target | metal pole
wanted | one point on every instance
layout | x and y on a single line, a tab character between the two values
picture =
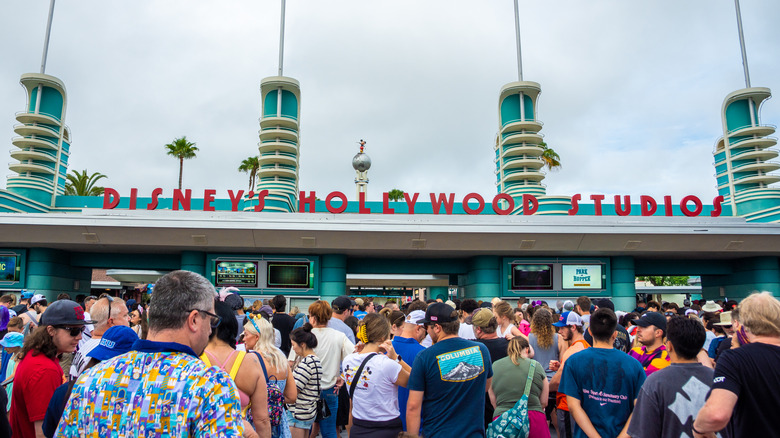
46	41
742	45
281	41
519	54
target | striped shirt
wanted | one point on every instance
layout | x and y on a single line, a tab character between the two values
307	375
651	361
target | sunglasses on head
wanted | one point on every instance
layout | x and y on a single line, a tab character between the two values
74	331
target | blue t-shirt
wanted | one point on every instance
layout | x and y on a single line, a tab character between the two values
606	382
360	314
452	374
408	349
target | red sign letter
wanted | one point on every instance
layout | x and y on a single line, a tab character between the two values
362	204
208	198
133	198
410	202
182	198
510	204
696	202
597	203
648	205
575	207
155	194
303	201
261	200
386	204
330	197
436	203
480	203
668	206
110	198
534	204
234	198
717	209
618	209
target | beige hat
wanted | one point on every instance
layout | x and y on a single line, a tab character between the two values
725	319
711	306
482	318
359	301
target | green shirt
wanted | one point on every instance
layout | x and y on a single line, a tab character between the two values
509	384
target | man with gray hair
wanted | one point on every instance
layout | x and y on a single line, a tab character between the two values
162	388
106	312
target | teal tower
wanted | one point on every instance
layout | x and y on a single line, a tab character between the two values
280	143
40	148
742	154
519	148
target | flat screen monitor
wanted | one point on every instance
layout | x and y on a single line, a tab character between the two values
236	273
586	277
532	276
288	275
9	267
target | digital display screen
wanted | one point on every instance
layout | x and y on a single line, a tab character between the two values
532	277
288	275
582	277
9	268
238	274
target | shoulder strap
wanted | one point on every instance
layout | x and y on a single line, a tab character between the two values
237	365
205	358
359	371
262	364
529	380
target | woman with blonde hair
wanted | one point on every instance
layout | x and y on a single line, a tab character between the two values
505	316
372	377
259	338
510	377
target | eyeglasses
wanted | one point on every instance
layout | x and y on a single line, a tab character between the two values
110	302
74	331
215	319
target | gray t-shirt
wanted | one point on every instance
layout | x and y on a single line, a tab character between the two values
669	401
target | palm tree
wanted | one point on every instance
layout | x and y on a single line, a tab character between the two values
81	184
181	149
250	165
551	158
395	195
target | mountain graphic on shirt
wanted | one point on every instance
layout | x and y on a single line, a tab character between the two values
462	372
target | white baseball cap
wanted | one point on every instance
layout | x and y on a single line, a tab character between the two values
415	317
36	298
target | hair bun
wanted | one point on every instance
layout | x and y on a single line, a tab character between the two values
307	327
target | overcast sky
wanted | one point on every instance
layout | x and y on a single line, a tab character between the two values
631	91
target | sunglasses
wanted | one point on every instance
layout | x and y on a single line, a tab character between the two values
74	331
110	302
215	319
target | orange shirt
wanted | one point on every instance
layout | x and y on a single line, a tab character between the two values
560	398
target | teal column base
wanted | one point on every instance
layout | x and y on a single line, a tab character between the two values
194	261
333	276
483	281
755	274
49	273
623	283
439	293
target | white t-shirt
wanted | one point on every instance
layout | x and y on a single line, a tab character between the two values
508	330
332	347
80	360
466	331
89	327
427	342
376	395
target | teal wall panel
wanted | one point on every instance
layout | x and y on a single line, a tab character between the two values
194	261
510	108
738	115
289	104
528	104
51	103
334	267
269	104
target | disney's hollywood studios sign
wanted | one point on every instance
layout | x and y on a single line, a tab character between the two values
440	203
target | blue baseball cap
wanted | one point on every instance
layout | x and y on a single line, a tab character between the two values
117	340
567	319
12	339
27	295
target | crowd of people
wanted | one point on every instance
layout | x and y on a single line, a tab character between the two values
196	362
